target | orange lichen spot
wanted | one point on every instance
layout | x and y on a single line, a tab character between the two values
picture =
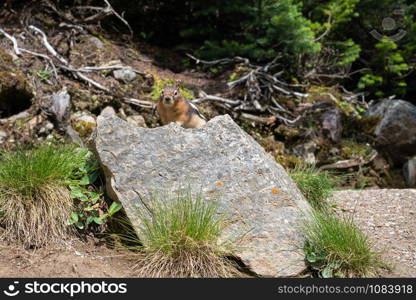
275	191
219	183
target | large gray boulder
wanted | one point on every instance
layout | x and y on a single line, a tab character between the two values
409	172
222	161
396	130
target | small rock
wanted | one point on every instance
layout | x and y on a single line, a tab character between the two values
97	42
306	152
60	109
136	120
380	163
125	75
15	94
86	118
47	128
332	124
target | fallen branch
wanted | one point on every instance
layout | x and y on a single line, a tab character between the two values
119	16
18	52
21	115
92	82
223	61
140	103
354	162
114	67
264	120
47	58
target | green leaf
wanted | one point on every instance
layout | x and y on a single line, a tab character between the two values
334	265
83	198
90	220
74	186
70	222
94	197
77	193
104	216
85	180
98	220
74	216
92	177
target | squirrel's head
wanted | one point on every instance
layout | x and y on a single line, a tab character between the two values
170	95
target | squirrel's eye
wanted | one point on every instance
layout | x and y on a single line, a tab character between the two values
176	93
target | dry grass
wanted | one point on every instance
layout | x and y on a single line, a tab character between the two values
35	203
201	263
38	220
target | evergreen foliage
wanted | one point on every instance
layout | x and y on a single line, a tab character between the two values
334	37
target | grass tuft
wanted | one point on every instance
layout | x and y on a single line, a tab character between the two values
35	203
336	247
181	237
315	186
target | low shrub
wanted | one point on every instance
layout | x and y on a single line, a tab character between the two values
336	247
181	237
315	186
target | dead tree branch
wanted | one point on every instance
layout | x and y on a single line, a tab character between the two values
102	13
140	103
65	64
256	91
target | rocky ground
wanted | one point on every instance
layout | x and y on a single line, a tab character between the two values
388	218
72	259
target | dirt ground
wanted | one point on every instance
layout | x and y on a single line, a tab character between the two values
71	259
388	216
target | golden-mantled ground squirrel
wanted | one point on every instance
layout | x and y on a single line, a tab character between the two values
173	107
